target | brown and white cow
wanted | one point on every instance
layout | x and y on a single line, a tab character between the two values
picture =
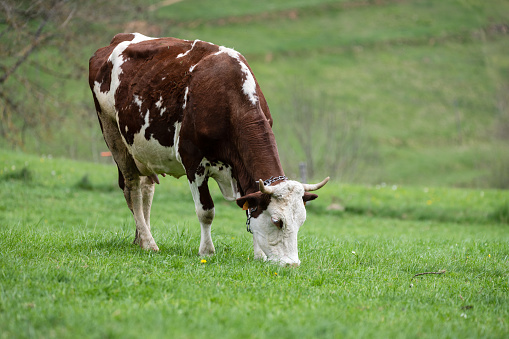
179	107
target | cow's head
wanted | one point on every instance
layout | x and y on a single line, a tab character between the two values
277	213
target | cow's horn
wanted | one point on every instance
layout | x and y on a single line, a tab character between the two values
265	189
314	187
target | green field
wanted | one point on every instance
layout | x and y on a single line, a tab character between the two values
68	267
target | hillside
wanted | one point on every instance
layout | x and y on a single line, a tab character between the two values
393	92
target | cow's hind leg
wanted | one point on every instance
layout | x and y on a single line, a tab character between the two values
133	184
205	211
133	195
147	192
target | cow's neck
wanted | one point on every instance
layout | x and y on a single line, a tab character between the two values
259	157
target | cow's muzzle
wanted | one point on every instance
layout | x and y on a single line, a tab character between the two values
289	262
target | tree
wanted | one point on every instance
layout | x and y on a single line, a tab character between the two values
333	141
26	27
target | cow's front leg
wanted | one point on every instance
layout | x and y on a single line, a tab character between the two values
205	211
134	197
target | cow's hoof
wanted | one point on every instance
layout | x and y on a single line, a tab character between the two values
260	256
207	251
154	248
148	245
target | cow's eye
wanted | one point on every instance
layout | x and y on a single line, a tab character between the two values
277	222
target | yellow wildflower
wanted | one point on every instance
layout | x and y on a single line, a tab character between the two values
203	261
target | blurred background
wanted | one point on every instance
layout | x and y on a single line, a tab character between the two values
411	92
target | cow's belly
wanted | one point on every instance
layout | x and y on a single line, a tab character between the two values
153	158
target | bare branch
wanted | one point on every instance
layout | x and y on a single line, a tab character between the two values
8	15
69	17
418	274
28	50
49	71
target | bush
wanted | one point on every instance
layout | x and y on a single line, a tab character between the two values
23	174
501	214
84	183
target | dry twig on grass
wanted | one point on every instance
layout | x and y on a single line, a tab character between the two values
418	274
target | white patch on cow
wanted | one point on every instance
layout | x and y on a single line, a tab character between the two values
137	101
187	52
104	98
176	143
159	104
230	51
126	129
155	158
223	175
146	124
191	68
249	85
185	98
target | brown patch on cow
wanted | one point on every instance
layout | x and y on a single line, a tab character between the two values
121	37
205	198
105	74
256	202
121	181
309	196
262	205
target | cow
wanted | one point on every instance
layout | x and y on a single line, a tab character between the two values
181	107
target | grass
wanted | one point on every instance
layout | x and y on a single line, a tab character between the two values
68	268
332	28
190	11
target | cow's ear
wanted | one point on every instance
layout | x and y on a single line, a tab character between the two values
309	196
249	201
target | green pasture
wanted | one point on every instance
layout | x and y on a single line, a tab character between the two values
68	267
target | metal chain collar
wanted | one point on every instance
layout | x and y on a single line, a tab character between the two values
272	180
267	182
248	222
